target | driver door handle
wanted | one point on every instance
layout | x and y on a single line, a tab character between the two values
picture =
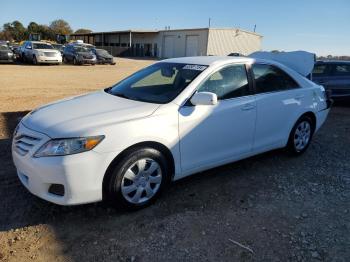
248	106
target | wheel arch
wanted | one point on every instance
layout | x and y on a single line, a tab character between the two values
309	114
146	144
312	116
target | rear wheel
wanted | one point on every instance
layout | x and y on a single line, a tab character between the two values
75	62
300	136
138	179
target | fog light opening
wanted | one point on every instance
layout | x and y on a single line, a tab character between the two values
56	189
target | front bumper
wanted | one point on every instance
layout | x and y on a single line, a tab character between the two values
87	61
49	60
81	175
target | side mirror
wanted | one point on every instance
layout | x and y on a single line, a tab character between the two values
204	98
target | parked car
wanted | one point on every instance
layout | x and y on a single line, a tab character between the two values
172	119
78	55
38	52
334	76
58	47
6	54
103	57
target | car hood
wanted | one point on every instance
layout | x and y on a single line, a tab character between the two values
85	53
86	114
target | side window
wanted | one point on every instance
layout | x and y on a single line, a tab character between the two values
228	82
320	70
341	70
269	78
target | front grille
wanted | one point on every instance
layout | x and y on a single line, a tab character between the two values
24	143
87	57
50	54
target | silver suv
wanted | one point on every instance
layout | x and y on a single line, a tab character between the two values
40	53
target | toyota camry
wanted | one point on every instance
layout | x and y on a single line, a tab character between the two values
177	117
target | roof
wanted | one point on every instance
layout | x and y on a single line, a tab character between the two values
332	61
208	60
169	30
120	32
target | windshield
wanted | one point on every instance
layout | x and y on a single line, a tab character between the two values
57	46
4	48
159	83
42	46
81	49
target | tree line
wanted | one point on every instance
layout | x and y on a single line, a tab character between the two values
16	31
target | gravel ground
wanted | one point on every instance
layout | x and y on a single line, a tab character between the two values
271	207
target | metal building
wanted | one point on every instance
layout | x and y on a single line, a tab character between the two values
175	43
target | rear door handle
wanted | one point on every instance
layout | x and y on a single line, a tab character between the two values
247	107
299	96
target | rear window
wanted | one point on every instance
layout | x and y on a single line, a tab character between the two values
320	70
269	78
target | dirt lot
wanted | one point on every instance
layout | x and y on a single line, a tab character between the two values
282	208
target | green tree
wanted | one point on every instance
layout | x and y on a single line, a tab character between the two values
16	30
83	31
33	28
61	27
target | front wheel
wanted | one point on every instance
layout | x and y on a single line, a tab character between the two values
35	61
138	179
300	136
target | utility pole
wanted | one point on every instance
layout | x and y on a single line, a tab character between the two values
254	28
209	22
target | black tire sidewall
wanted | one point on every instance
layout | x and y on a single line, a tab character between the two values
114	195
291	145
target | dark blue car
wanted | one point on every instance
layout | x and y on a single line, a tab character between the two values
334	76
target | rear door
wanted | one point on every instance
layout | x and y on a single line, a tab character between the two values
278	99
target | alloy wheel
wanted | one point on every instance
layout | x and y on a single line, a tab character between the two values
302	135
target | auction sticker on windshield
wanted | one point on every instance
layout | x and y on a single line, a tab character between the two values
195	67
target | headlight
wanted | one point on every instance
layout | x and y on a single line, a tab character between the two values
10	54
68	146
40	53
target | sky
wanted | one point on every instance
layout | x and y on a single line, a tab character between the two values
319	26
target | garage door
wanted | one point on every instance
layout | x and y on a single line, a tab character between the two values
168	46
192	45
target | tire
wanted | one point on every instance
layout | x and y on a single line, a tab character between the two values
301	135
75	62
64	60
23	58
138	179
35	62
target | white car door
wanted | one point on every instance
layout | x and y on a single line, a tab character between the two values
279	100
215	134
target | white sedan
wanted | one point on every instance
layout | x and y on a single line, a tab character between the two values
172	119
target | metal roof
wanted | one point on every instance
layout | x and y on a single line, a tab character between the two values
163	30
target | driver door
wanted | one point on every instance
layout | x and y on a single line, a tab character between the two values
211	135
